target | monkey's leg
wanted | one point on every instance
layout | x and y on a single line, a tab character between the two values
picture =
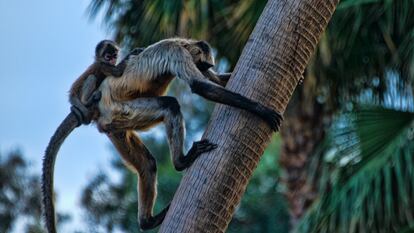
143	113
139	159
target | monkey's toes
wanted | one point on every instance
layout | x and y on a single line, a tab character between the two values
196	150
203	146
153	221
199	148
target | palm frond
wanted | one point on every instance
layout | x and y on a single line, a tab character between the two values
371	185
138	23
366	40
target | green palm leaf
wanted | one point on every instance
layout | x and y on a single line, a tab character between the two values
147	21
367	39
373	185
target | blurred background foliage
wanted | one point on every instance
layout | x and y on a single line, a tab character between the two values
20	195
344	159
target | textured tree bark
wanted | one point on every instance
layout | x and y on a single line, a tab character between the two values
268	71
301	132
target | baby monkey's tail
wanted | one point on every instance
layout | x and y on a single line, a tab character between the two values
62	132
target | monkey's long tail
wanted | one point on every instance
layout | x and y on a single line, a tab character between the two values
61	133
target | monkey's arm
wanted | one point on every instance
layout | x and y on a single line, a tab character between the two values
220	95
220	79
118	70
211	91
88	96
88	87
78	108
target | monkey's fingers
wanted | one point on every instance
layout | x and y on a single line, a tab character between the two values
199	148
274	119
206	147
203	146
195	151
96	96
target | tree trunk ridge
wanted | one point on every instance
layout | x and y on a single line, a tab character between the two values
268	71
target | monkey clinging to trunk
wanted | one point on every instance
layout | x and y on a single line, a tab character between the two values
135	101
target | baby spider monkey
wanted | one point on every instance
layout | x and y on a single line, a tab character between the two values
82	93
82	96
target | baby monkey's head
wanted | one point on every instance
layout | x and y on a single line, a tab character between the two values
107	51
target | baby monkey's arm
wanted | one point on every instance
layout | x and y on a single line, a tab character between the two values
118	70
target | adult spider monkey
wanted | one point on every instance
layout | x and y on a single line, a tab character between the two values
81	96
135	102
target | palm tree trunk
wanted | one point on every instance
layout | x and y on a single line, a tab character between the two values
302	131
268	71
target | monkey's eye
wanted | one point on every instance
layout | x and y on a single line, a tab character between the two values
107	57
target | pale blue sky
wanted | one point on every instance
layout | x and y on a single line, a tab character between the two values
45	45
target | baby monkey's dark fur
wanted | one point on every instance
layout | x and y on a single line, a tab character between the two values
83	89
82	96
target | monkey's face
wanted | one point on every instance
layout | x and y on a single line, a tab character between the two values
107	51
201	54
110	57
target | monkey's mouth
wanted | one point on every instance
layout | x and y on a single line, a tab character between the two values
112	61
203	66
110	58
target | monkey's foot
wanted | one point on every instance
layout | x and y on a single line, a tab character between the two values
153	221
272	117
198	148
195	151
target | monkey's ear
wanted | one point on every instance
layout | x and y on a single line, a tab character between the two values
204	46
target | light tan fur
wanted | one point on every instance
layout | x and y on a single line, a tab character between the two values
135	101
149	74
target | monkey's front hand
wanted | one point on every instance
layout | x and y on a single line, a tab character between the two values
95	97
272	117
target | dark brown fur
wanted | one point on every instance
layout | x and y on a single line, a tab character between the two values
80	97
82	89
